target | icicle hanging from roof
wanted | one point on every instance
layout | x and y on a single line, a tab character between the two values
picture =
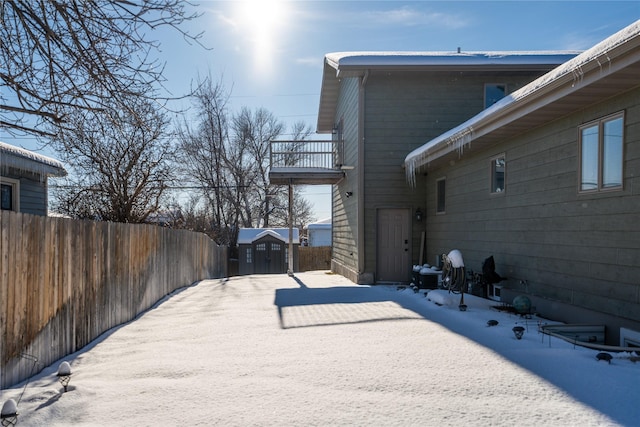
423	156
460	139
27	161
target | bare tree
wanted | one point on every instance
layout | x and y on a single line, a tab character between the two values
204	155
295	148
120	162
62	56
302	212
254	130
226	157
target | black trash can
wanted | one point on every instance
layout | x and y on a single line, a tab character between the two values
428	279
415	275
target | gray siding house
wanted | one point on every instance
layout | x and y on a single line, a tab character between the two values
547	181
24	179
379	106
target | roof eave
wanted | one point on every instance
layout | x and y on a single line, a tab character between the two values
338	66
590	71
328	97
29	165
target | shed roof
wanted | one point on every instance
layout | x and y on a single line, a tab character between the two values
352	64
250	235
25	160
610	67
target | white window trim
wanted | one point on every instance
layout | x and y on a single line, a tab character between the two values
441	212
491	171
15	193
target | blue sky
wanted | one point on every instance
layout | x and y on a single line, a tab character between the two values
269	53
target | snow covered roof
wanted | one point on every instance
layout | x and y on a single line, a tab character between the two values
250	235
351	64
345	61
616	54
322	224
25	160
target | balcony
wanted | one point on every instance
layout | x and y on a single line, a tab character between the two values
306	162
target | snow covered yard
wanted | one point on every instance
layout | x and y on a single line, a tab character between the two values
318	350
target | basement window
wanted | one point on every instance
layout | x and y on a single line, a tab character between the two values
498	170
440	195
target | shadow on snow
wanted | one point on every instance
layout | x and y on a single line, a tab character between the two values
309	307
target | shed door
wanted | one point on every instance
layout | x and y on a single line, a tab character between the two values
269	256
393	255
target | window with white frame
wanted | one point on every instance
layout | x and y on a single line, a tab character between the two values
600	146
494	92
440	195
498	174
249	254
9	194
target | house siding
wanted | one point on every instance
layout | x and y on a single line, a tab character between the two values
33	197
33	192
345	217
402	111
577	250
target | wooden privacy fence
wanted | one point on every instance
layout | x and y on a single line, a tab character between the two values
64	282
314	258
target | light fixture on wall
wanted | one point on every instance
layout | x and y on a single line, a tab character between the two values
418	215
349	193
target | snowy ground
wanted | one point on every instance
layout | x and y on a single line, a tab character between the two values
318	350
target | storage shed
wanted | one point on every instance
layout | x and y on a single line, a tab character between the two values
266	250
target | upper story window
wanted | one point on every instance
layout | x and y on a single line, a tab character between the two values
600	146
9	193
440	195
494	92
498	171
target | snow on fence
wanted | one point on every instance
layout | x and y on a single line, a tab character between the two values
64	282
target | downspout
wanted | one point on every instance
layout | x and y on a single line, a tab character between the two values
290	254
361	139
